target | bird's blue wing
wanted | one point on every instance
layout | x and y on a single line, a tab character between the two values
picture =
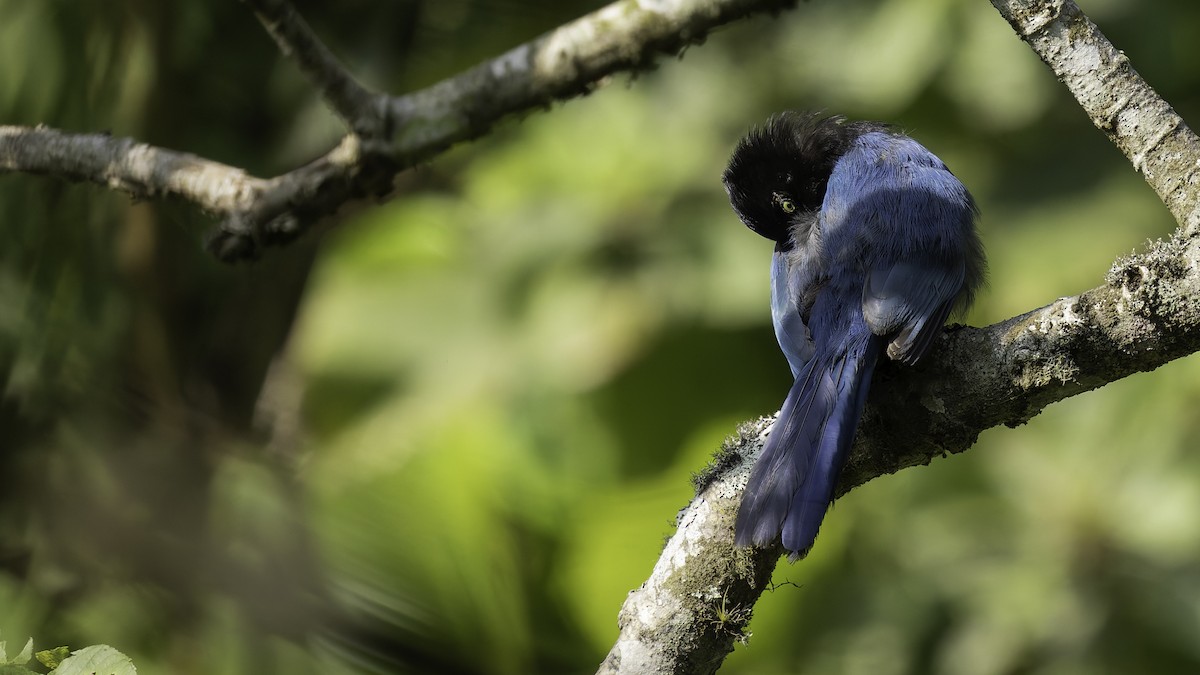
908	303
790	329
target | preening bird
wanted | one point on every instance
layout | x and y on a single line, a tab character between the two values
875	245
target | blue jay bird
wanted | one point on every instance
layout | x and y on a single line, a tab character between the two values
875	245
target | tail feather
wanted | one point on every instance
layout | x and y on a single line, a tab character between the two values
792	483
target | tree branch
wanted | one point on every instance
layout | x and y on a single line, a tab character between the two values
562	64
140	170
698	600
569	61
1119	102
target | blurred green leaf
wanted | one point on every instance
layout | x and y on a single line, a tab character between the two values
25	655
96	660
52	658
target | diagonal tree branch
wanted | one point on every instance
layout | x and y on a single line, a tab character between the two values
626	35
567	62
698	600
1118	101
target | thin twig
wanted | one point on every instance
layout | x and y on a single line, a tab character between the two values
362	110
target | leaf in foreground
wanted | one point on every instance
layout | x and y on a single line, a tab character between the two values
96	660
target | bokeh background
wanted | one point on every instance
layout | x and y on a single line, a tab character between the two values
450	434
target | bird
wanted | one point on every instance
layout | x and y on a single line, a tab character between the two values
876	244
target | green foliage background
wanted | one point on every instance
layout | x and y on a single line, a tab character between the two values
484	399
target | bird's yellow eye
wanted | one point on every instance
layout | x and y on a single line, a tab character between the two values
785	204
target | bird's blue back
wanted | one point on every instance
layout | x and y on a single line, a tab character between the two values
895	218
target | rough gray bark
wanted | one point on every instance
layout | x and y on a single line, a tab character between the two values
698	600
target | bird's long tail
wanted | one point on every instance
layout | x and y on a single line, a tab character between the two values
792	483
